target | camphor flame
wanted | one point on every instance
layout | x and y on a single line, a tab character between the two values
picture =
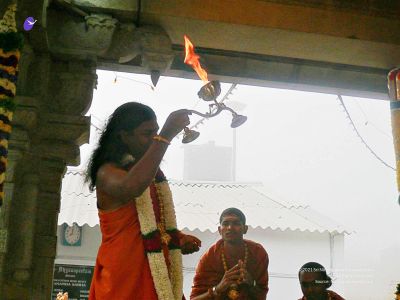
192	59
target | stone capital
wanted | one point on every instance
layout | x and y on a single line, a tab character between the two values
156	48
125	44
79	37
150	42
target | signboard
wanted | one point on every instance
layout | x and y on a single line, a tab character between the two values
72	279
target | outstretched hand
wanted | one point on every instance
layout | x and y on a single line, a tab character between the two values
175	123
189	243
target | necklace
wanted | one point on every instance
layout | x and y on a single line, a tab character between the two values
233	292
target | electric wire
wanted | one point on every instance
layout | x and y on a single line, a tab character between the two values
368	122
359	135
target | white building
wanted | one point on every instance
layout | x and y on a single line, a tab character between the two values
292	235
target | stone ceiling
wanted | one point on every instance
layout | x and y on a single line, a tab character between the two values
339	46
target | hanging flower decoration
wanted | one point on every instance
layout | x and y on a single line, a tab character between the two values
10	45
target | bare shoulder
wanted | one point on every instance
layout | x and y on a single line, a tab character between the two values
108	182
109	171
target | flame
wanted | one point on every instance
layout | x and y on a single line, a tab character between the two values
192	59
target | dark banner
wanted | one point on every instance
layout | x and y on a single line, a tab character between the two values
72	279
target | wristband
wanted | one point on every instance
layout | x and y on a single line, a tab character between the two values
159	138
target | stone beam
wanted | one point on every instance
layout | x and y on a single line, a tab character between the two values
348	22
274	71
107	4
360	33
361	19
277	42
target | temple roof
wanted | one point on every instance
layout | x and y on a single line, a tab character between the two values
199	204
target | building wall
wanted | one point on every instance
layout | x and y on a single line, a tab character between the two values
287	251
208	162
79	255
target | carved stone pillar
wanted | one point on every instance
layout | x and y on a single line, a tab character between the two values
54	91
49	127
61	130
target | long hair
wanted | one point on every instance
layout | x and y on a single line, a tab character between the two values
110	148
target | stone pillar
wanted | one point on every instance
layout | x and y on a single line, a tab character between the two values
49	127
54	91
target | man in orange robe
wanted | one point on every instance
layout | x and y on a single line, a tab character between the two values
233	268
315	283
140	253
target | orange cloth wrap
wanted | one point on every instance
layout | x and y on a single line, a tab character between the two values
210	270
122	270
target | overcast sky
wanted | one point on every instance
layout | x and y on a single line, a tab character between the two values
300	145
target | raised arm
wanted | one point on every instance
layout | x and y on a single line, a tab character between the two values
115	186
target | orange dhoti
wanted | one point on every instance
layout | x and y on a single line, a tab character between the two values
122	269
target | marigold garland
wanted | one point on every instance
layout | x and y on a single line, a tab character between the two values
10	45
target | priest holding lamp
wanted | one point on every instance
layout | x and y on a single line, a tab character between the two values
232	268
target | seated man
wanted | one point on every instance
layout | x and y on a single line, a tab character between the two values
315	282
233	268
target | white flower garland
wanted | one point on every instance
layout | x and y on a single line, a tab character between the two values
175	257
166	290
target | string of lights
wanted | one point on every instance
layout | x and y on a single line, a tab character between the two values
131	79
359	135
368	122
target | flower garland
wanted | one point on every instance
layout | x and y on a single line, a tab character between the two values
10	45
167	275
